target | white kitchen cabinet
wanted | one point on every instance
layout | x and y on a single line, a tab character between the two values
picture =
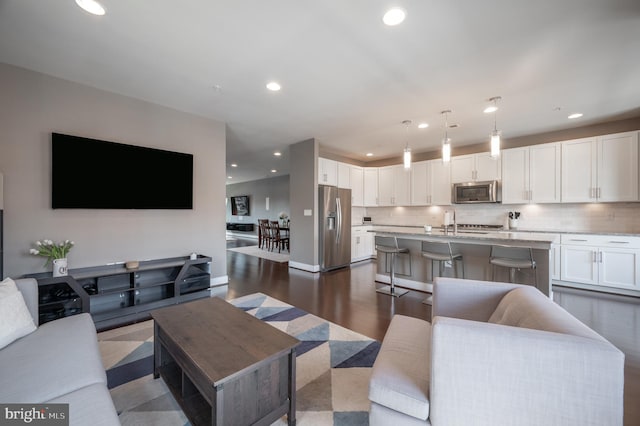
531	174
603	168
554	266
370	187
357	186
327	172
361	243
344	175
475	168
430	183
604	260
394	186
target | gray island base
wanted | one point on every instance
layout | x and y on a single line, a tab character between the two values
413	271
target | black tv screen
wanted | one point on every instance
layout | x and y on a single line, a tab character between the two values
240	205
94	174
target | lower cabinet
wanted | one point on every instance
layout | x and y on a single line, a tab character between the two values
601	260
362	245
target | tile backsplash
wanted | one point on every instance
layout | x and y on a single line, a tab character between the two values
596	217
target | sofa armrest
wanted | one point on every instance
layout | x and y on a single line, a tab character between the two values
467	299
497	374
29	289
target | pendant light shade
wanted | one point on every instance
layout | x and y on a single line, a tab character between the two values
495	135
446	142
406	156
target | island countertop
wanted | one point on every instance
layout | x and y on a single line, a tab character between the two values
511	238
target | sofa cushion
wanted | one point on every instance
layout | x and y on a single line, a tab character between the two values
59	357
15	318
91	405
527	307
400	375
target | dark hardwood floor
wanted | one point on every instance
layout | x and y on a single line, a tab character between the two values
347	297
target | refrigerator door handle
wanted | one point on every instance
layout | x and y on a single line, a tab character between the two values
339	226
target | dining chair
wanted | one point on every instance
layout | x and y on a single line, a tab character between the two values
264	233
277	238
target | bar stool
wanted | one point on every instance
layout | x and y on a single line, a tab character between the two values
389	246
440	252
514	258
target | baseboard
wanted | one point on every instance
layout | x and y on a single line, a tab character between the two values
401	282
216	281
304	266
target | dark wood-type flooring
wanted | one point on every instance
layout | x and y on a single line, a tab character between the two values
347	297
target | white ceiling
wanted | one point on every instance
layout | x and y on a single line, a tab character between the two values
348	80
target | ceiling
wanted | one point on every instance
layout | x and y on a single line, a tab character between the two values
347	79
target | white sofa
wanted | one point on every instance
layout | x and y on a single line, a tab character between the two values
57	363
495	354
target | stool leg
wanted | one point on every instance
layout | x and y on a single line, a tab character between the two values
391	290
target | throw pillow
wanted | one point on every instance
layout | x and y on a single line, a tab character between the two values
15	319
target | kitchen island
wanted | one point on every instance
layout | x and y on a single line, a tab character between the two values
413	271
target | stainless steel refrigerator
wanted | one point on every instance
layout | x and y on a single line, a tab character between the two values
334	205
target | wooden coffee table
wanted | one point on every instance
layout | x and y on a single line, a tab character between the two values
224	366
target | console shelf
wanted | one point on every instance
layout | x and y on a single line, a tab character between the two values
114	295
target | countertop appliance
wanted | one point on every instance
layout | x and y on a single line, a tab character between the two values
334	205
477	192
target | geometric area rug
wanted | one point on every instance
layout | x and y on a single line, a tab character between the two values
333	367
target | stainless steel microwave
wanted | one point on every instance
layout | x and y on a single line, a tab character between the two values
477	192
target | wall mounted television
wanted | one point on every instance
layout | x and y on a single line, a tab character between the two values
95	174
240	205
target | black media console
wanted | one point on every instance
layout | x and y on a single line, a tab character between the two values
243	227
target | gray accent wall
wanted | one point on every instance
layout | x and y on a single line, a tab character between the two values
303	182
276	189
34	105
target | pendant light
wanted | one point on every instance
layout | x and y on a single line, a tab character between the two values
495	135
406	157
446	142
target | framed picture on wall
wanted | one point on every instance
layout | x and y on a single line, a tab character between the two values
240	205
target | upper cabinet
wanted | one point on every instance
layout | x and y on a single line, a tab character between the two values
357	186
603	168
394	186
531	174
475	167
344	175
430	183
370	186
327	172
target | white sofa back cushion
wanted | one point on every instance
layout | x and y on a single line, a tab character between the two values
527	307
15	318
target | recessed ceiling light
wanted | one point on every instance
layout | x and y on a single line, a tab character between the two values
273	86
91	6
423	125
394	16
369	154
490	109
274	171
234	165
229	177
575	115
277	153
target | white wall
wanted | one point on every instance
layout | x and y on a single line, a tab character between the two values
33	105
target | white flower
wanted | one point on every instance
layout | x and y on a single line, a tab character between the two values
34	251
38	243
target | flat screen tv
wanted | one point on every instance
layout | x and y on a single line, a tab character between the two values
94	174
240	205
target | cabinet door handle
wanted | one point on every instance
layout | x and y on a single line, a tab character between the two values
600	256
619	242
594	256
584	241
598	193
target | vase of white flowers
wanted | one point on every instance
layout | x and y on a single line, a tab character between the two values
284	219
56	254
